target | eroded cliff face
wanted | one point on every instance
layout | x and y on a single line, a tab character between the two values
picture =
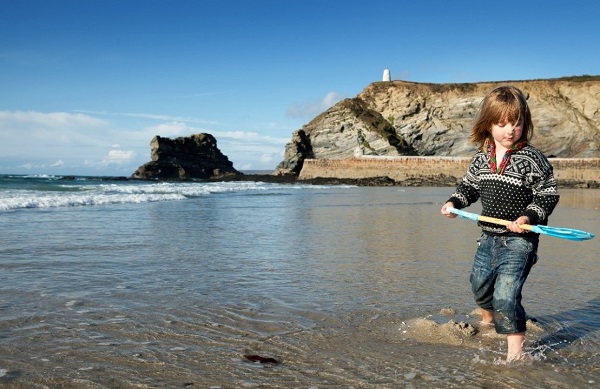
404	118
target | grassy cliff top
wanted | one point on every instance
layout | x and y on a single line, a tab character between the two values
471	86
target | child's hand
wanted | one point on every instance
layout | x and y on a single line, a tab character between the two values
445	211
514	226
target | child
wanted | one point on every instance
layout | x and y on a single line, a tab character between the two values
515	182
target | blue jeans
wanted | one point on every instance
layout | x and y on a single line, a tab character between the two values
501	266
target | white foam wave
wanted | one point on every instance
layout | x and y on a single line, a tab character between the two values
89	194
70	200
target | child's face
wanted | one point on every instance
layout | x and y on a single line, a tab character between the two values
506	134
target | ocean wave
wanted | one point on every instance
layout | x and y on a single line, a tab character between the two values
71	200
52	193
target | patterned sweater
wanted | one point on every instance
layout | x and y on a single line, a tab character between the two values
527	187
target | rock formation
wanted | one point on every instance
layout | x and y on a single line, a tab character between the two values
343	131
196	156
405	118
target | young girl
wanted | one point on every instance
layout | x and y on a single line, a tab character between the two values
515	182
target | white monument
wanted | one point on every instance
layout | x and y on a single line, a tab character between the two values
386	75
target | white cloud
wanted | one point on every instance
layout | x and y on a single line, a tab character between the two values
27	166
170	130
267	159
119	157
249	137
151	116
46	134
331	99
60	141
59	163
114	157
236	134
314	108
48	119
77	143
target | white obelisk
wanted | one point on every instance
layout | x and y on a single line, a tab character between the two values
386	75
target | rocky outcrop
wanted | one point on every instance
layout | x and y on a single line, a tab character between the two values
405	118
193	157
349	128
299	149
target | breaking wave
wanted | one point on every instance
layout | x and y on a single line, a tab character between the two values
26	192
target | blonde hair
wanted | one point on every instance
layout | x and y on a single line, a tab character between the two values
503	104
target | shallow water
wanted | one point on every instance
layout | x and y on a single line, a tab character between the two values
139	291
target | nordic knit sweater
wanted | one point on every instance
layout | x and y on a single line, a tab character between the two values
526	188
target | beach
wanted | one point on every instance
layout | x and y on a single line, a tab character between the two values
121	284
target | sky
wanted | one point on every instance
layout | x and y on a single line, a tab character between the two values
86	85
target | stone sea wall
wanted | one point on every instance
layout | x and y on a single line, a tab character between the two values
405	168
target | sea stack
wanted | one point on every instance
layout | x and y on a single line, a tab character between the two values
184	158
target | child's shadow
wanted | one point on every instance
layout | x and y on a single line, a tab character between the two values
575	324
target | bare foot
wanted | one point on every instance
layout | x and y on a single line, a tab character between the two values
515	347
487	318
518	357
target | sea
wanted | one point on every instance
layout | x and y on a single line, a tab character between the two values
112	283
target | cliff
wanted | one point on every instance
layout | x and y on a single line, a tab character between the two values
193	157
401	118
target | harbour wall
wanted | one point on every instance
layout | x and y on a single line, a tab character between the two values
406	168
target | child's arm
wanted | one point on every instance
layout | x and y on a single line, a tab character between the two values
467	191
545	193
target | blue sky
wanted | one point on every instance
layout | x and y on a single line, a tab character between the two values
86	84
